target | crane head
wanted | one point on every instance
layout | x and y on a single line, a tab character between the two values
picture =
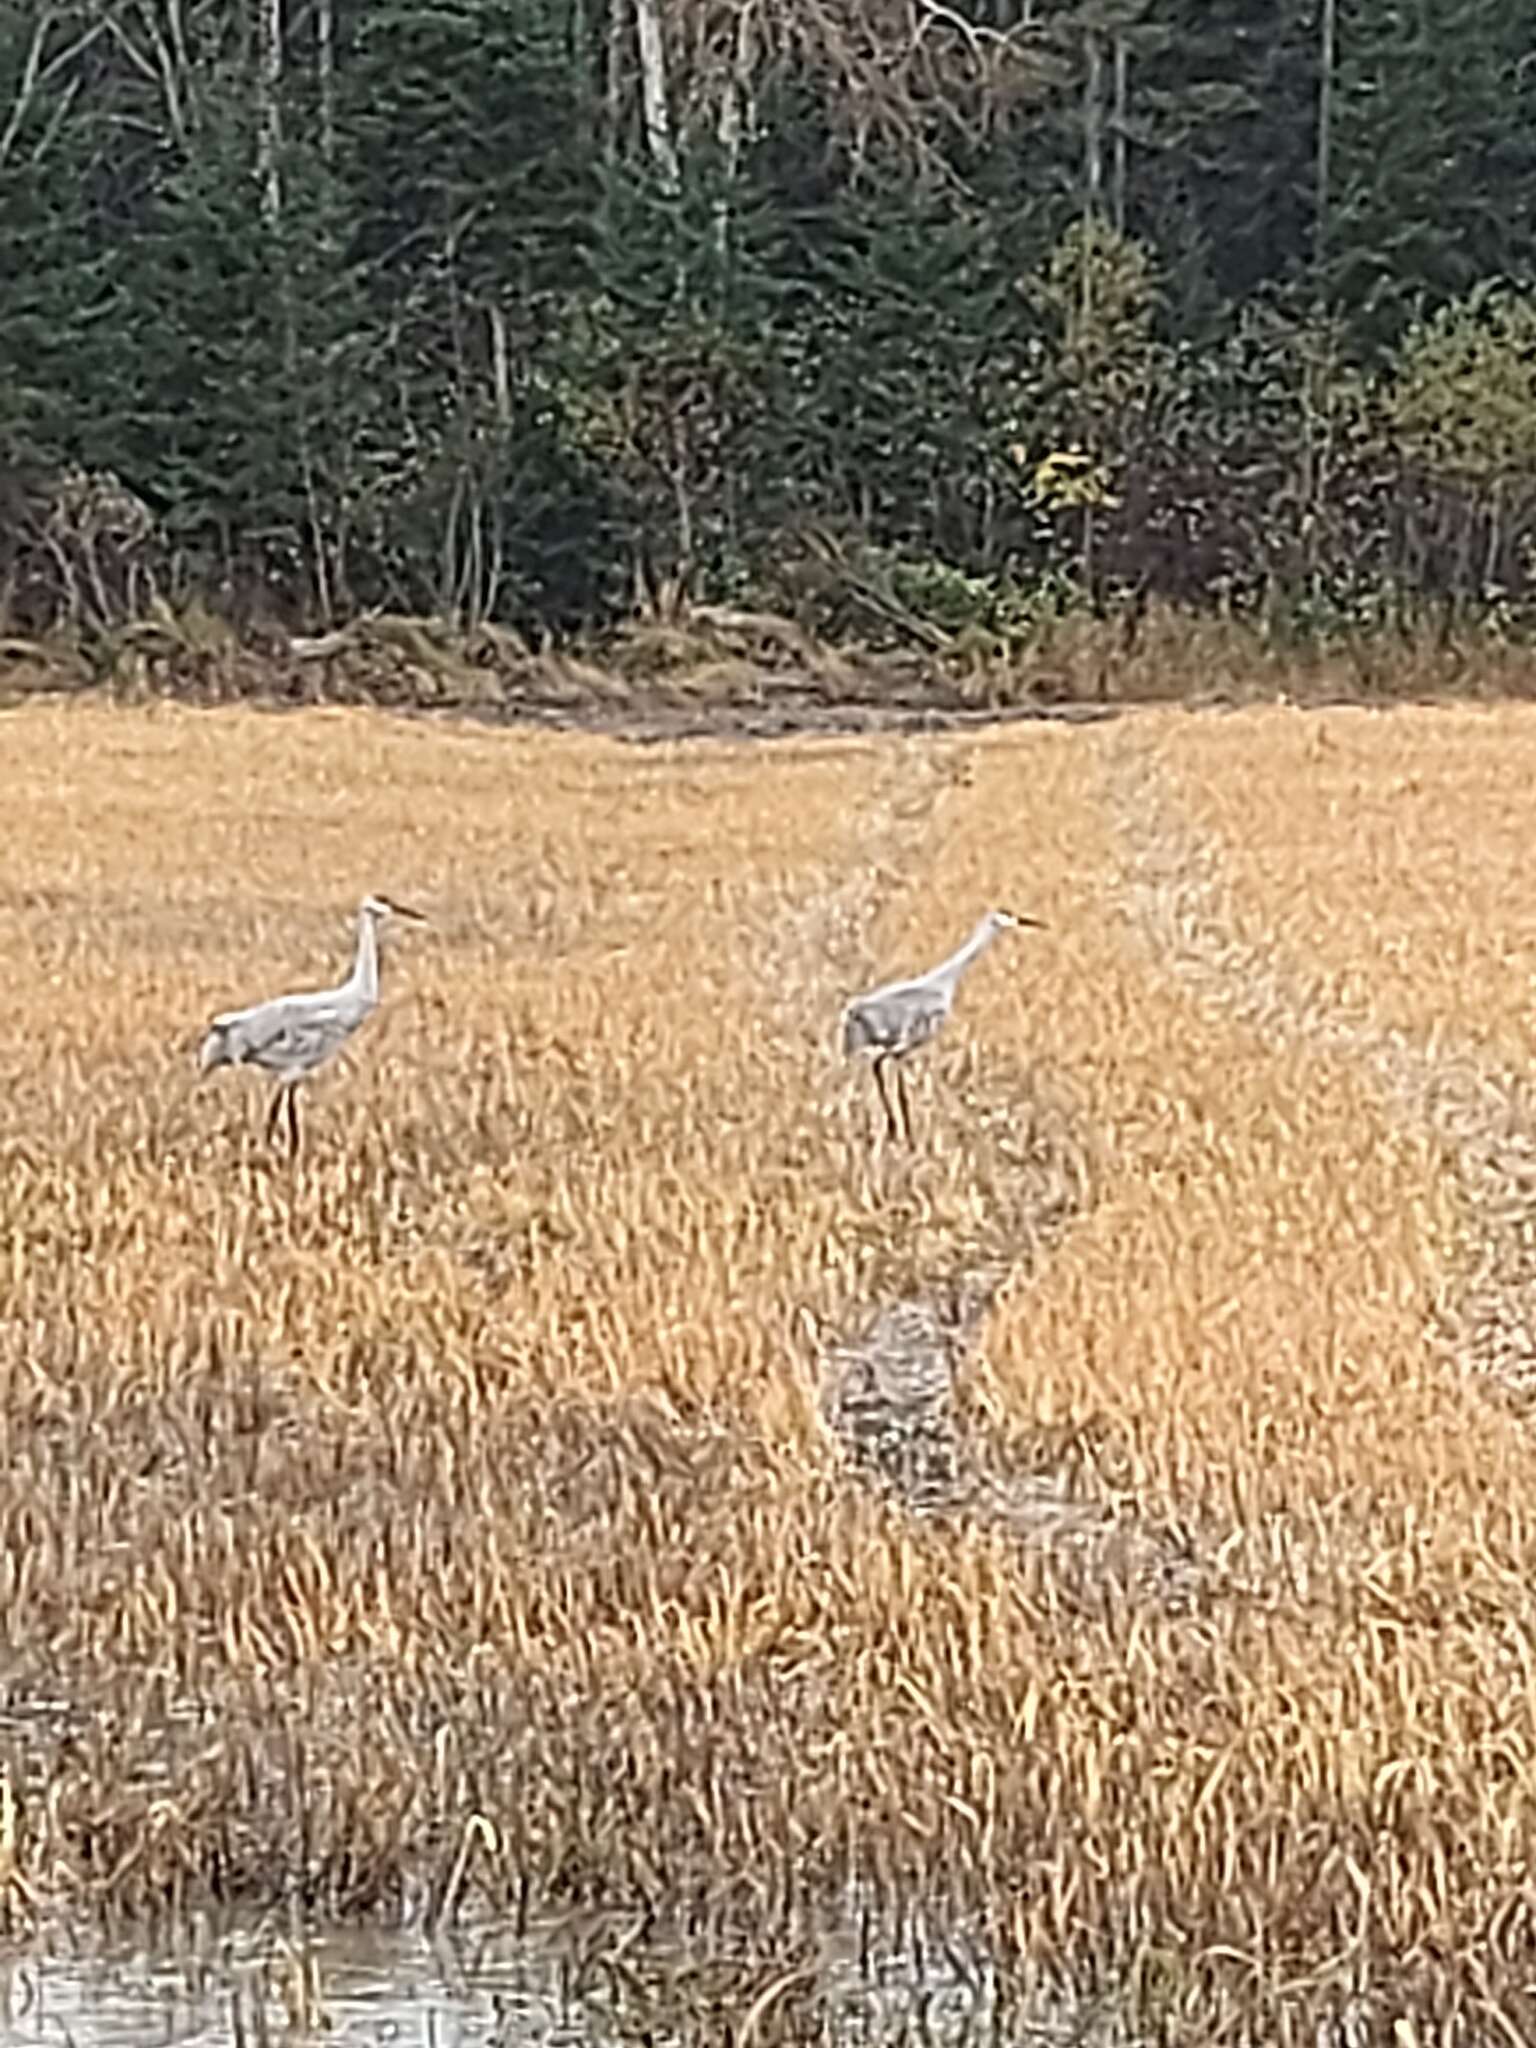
383	907
1013	920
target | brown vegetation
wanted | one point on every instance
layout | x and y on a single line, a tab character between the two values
599	1475
681	671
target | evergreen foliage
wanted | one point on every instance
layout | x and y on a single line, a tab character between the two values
510	312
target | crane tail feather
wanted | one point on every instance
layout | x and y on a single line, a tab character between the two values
214	1051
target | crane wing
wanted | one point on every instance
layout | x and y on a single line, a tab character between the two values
292	1032
923	1011
895	1018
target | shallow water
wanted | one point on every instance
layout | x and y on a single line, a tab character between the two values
253	1988
350	1988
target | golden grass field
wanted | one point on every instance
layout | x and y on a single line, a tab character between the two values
476	1505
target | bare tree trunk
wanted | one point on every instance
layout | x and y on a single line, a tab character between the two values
653	90
269	142
269	130
1495	537
176	24
177	70
682	578
501	365
736	116
1122	95
1093	164
1093	121
1324	139
325	75
1318	371
613	79
1088	560
494	565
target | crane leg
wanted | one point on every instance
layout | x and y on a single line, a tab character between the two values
892	1128
273	1113
293	1122
905	1100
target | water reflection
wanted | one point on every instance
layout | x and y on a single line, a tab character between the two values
354	1988
254	1988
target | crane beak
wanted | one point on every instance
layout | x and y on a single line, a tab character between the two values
404	910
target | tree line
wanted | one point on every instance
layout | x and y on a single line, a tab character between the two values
526	311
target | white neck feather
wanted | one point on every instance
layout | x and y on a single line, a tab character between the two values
950	970
364	978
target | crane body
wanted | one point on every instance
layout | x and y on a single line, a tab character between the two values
289	1037
889	1023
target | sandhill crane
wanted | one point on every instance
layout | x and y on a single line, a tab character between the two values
899	1016
291	1036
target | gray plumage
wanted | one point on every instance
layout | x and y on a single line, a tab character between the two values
891	1021
290	1036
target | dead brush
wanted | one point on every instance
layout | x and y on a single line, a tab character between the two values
446	1523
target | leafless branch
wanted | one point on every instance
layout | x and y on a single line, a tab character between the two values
58	115
129	48
932	12
35	73
28	84
890	72
169	65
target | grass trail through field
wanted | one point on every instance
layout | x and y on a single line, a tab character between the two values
1482	1114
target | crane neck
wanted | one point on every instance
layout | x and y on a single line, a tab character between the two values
364	978
950	970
